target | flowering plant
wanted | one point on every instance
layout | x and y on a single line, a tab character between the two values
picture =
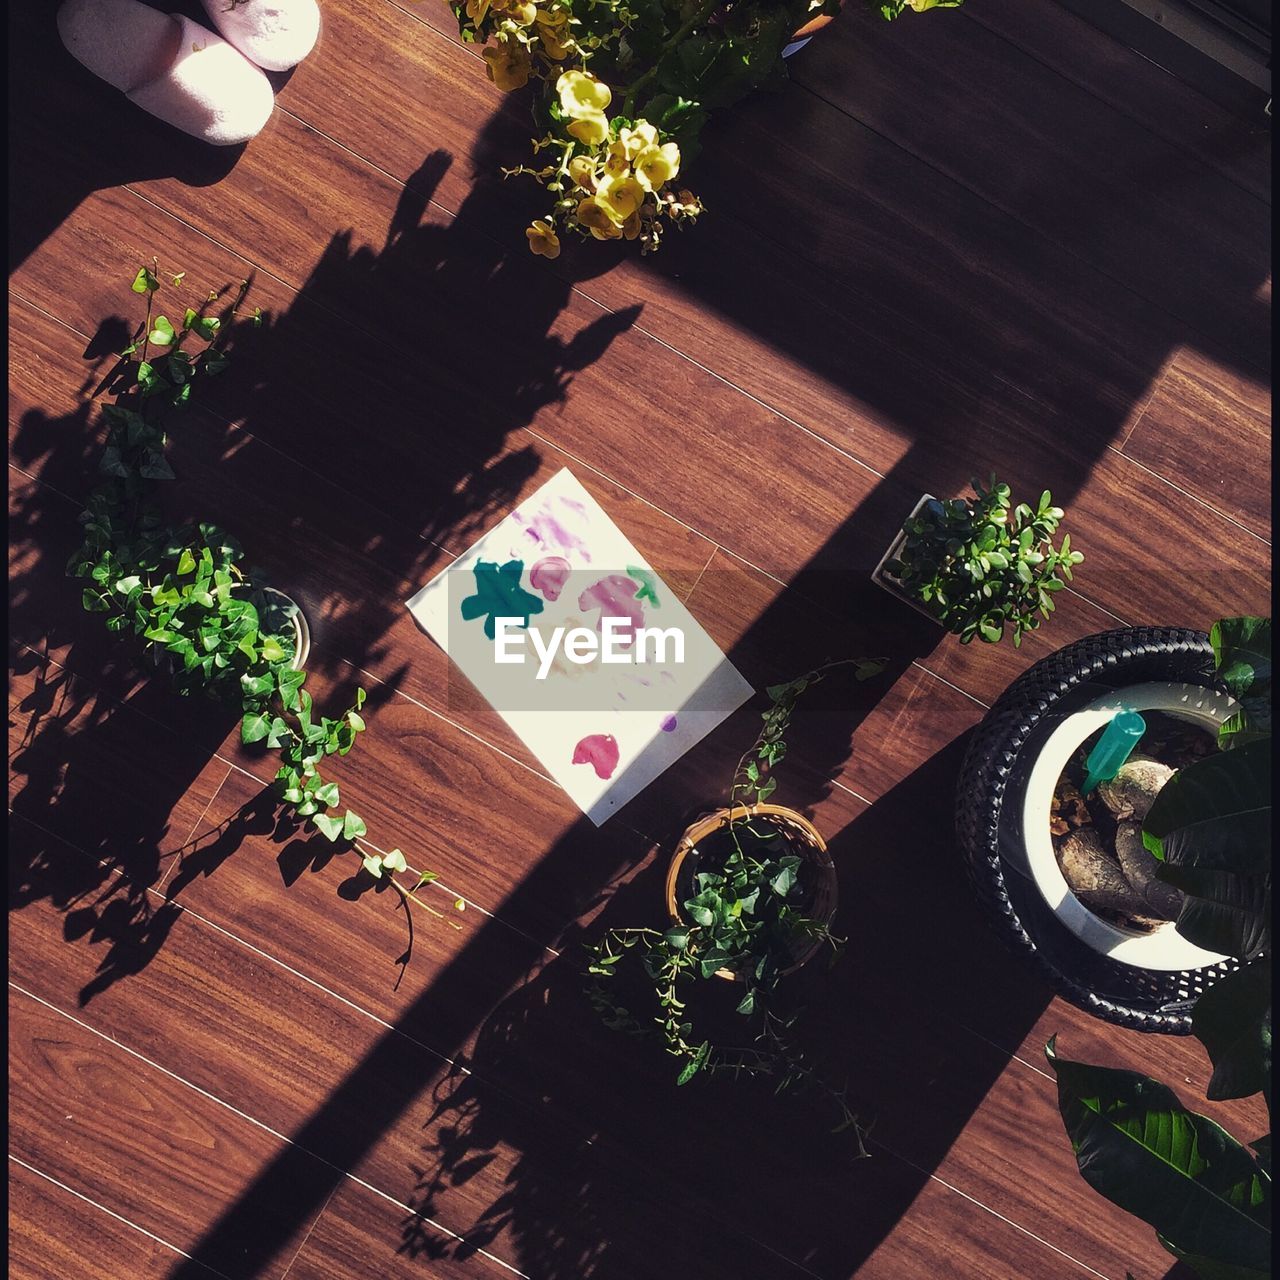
625	87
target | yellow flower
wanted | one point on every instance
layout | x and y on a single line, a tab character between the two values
476	9
621	197
582	170
521	12
583	96
543	239
615	164
509	66
592	130
631	228
634	141
553	31
598	219
656	165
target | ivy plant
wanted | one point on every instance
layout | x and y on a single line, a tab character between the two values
1206	1194
182	592
980	564
747	915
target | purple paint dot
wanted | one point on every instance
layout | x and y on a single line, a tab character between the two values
669	724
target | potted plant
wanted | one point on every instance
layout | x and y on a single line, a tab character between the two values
979	564
1070	875
750	896
185	595
622	92
1209	833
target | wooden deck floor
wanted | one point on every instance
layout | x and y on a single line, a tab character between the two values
987	239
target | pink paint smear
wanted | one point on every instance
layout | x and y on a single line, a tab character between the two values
600	751
615	597
549	575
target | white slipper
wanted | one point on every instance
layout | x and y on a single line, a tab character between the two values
276	34
170	66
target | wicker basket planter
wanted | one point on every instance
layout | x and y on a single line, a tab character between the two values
802	837
1002	799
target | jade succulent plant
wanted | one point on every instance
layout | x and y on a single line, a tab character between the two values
980	564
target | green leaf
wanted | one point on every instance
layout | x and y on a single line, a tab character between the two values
144	282
327	794
677	939
748	1003
186	562
1136	1144
1233	1022
162	332
353	825
784	881
1216	813
394	861
253	728
373	865
696	1063
1242	655
330	828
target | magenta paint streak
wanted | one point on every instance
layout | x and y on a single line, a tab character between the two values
549	575
669	724
600	751
615	597
547	531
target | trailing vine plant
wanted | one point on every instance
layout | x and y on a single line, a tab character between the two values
182	591
748	917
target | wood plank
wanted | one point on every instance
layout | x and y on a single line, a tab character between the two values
1209	432
94	771
360	1236
510	1048
308	1065
55	1234
1236	147
1048	152
139	1142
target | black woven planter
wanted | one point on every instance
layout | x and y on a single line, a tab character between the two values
988	807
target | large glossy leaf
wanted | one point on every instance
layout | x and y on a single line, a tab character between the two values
1216	813
1242	654
1221	911
1136	1144
1233	1021
1212	1268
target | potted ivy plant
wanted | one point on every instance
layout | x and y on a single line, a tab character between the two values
1209	833
1069	874
183	591
978	565
622	92
750	897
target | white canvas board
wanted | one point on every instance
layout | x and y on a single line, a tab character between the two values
602	730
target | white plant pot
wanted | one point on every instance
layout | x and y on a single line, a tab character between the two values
1163	948
302	632
890	583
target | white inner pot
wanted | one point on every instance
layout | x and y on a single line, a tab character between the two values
1163	948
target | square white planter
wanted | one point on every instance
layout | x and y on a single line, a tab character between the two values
890	583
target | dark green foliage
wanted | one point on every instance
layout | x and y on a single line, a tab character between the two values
747	914
978	566
182	591
1207	1196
